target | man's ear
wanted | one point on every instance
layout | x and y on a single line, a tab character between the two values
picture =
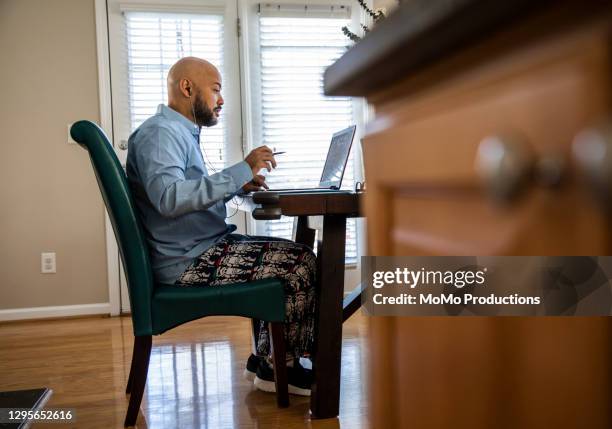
186	87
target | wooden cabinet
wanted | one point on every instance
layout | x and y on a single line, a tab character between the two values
422	155
533	79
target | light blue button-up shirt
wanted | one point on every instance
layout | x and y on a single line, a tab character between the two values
182	208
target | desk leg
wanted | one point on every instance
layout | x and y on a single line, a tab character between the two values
325	399
304	234
352	302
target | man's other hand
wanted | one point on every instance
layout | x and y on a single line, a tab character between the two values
256	184
259	158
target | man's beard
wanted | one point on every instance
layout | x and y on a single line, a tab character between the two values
203	115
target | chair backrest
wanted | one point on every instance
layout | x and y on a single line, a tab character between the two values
124	218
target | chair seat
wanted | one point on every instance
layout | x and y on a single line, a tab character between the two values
175	305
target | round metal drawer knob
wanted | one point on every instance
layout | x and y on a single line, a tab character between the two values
593	153
505	164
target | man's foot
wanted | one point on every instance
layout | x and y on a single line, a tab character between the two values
251	366
300	379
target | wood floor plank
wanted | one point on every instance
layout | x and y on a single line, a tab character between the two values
195	375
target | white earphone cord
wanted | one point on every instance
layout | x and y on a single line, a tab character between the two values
207	161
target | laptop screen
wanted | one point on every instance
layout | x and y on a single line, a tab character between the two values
337	157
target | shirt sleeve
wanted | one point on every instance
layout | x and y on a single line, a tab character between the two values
161	159
239	193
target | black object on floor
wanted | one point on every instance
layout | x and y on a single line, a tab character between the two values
32	399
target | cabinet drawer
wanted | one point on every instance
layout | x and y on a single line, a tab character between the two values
421	155
545	96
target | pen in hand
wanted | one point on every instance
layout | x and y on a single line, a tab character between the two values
278	153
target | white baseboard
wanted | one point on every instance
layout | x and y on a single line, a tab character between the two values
56	311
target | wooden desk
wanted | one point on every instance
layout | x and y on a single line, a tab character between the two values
331	311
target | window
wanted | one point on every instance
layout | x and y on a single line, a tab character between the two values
146	39
296	44
154	42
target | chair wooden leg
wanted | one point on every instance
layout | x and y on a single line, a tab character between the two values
255	333
128	388
138	376
277	336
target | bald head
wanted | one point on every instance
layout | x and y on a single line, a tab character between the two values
194	90
186	73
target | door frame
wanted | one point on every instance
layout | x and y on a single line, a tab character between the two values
106	123
117	289
114	268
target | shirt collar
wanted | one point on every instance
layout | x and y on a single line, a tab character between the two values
172	114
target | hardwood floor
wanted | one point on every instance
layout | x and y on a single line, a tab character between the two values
195	375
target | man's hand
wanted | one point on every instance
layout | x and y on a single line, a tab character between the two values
256	184
259	158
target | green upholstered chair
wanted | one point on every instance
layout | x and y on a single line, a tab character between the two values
157	308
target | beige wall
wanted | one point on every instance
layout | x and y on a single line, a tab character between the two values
49	198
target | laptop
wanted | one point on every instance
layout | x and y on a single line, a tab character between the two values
335	163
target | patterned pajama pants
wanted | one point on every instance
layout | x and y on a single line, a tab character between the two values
240	258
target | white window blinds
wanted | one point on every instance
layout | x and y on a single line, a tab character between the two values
296	46
154	42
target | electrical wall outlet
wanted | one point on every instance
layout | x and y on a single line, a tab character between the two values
70	140
47	263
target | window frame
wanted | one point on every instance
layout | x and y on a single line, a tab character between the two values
250	72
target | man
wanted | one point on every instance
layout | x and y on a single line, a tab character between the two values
182	208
